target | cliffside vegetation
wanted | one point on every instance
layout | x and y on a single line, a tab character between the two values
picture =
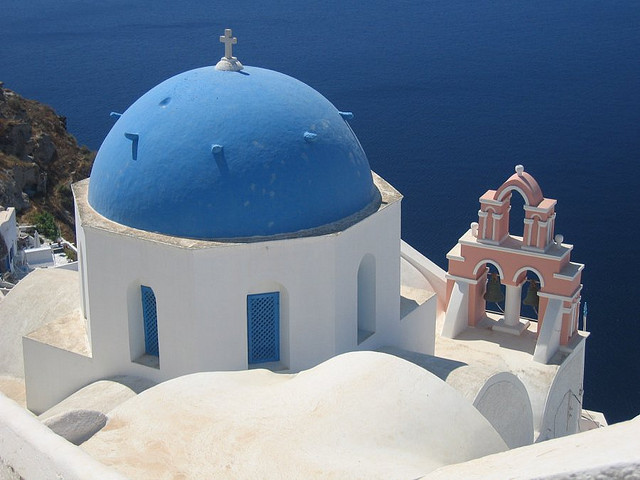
39	160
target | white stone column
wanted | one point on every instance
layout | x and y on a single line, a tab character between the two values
512	305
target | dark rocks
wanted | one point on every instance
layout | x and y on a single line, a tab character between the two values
38	159
44	150
11	195
14	139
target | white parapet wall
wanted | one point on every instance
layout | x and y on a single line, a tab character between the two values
40	256
432	272
29	450
603	453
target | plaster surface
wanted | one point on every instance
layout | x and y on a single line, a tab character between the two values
67	332
358	415
502	352
604	453
13	388
499	396
31	451
91	218
50	294
415	289
77	426
101	396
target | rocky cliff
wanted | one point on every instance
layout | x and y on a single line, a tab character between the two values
39	160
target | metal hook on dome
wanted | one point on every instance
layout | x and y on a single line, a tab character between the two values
310	137
135	138
218	156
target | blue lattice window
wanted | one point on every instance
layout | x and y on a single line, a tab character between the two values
263	327
150	318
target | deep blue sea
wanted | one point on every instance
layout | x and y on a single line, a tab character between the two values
448	96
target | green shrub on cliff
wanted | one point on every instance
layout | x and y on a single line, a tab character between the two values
46	225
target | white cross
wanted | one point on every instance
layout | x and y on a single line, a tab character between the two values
228	41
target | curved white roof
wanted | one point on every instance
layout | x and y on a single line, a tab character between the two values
358	415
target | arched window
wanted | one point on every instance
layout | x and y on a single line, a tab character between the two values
150	320
516	214
366	298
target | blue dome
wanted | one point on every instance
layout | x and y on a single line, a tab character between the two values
215	154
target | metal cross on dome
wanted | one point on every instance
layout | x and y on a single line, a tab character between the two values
228	41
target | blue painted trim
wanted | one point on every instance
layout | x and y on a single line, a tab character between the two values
150	319
263	327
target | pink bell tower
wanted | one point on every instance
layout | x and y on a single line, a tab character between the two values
489	242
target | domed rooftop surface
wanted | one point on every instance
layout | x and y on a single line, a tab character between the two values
217	154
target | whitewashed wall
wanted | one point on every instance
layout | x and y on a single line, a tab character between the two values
201	292
9	230
30	450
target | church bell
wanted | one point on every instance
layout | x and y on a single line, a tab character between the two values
494	292
532	298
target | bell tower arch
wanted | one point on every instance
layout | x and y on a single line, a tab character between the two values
539	250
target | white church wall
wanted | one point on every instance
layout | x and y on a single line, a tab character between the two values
366	297
82	268
134	314
418	328
420	304
434	275
114	268
563	402
52	374
379	236
201	298
504	401
300	269
457	313
117	266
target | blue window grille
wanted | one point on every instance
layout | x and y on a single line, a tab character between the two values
150	318
263	327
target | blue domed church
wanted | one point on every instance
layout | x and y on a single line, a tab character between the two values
231	221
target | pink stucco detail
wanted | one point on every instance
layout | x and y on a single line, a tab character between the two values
515	256
527	185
